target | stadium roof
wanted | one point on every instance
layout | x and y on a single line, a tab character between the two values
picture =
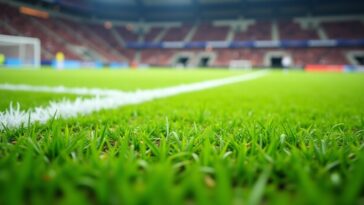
150	10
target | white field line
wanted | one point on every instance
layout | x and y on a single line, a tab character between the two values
59	89
104	99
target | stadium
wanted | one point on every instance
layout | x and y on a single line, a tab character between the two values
181	102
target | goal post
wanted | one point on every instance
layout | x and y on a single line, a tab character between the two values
240	64
20	51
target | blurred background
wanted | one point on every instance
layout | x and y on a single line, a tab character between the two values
70	34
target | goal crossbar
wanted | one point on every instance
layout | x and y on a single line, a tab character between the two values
25	49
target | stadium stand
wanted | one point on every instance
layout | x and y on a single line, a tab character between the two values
261	30
127	33
157	57
344	29
5	31
177	33
289	30
208	32
83	41
152	33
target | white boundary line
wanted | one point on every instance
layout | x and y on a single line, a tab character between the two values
104	99
59	89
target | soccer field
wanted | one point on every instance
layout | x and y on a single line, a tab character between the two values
280	138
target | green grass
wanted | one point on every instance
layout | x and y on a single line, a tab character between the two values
294	138
127	80
111	79
29	100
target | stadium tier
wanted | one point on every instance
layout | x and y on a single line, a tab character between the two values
305	40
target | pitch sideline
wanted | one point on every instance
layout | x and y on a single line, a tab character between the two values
103	99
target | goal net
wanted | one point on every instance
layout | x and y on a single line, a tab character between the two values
240	64
20	51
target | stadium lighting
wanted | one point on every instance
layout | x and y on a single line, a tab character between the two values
33	12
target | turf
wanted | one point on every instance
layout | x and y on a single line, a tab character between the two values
28	100
286	138
127	80
111	79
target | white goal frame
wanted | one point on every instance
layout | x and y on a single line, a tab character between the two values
26	49
240	64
